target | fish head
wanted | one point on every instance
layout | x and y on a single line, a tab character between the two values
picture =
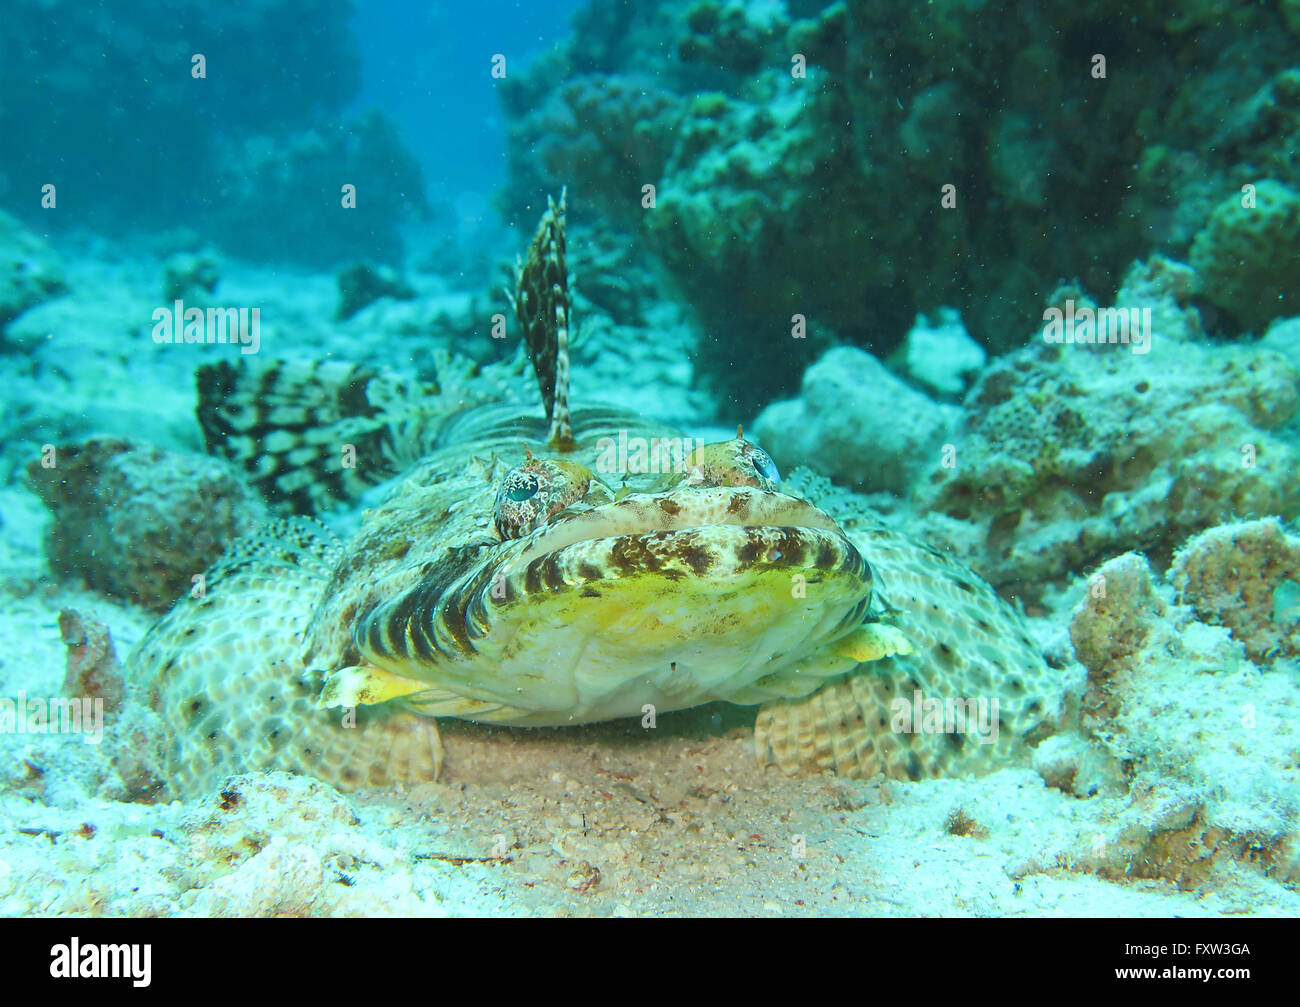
593	602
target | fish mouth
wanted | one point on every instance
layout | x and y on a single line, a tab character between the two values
709	542
704	561
670	598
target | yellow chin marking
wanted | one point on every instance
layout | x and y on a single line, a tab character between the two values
871	642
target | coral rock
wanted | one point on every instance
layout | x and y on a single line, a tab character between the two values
940	355
1114	619
1249	256
857	423
138	522
1246	577
93	669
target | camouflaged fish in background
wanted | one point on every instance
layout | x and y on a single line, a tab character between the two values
511	586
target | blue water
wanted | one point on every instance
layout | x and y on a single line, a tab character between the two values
427	66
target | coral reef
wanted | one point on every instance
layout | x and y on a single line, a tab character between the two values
733	36
1233	130
1071	453
137	522
1064	454
616	122
821	194
1249	256
265	172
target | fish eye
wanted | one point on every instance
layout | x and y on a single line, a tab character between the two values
534	492
521	486
764	465
733	463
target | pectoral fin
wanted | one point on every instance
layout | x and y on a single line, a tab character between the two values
365	685
871	642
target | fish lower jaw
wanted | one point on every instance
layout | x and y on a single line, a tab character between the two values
581	660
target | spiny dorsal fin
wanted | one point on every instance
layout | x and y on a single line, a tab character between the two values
542	305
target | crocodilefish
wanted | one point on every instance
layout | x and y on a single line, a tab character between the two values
511	586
